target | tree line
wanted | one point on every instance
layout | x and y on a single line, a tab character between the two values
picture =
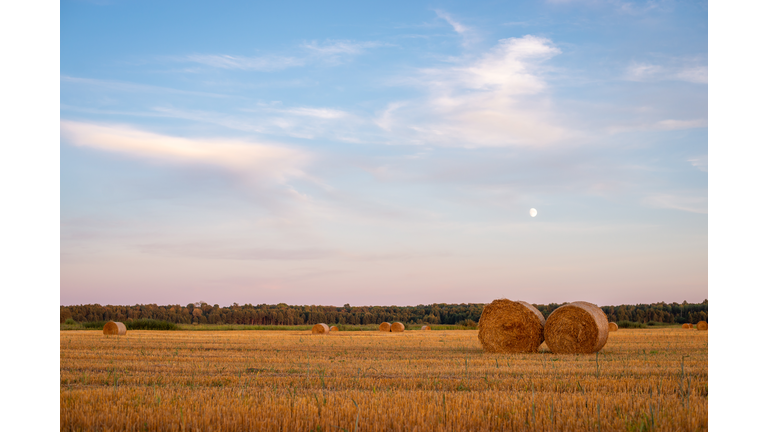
283	314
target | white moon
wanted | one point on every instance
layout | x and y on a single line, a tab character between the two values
533	212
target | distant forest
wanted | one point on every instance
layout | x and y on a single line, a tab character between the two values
283	314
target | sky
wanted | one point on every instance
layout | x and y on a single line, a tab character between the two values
383	154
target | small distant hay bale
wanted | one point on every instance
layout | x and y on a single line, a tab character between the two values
687	326
576	328
426	327
385	326
701	325
508	326
397	327
612	327
320	329
334	328
115	328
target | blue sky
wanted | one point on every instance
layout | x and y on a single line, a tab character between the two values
383	154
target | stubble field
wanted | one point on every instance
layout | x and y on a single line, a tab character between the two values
644	379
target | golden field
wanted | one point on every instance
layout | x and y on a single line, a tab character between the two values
643	379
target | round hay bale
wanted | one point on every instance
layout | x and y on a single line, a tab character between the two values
384	327
612	327
397	327
115	328
687	326
426	328
701	325
320	329
510	326
576	328
334	328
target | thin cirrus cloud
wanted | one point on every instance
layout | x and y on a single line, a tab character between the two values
128	87
255	161
296	122
493	100
681	124
320	113
335	48
265	63
645	72
700	162
467	34
329	51
457	26
684	202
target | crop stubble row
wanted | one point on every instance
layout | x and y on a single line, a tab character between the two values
439	380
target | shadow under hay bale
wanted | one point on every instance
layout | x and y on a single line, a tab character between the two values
702	325
508	326
426	327
612	327
397	327
385	326
576	328
115	328
320	329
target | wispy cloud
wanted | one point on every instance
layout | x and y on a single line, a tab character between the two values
321	113
696	74
693	204
133	87
668	124
467	34
228	252
681	124
254	161
329	51
220	250
265	63
457	26
653	72
620	6
296	122
332	48
700	162
495	99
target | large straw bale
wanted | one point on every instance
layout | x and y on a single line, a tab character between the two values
510	326
385	326
320	329
426	327
576	328
115	328
334	328
397	327
612	327
701	325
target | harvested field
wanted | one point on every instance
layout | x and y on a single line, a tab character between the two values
425	381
